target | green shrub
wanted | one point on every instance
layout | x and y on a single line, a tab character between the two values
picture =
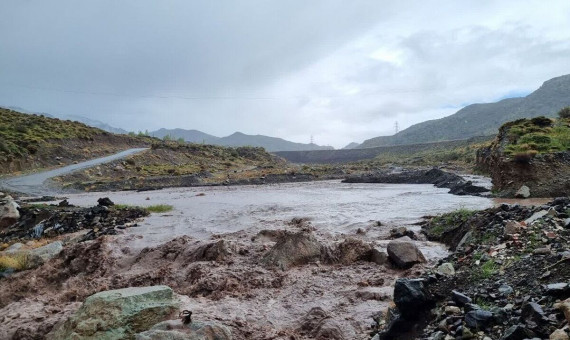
564	113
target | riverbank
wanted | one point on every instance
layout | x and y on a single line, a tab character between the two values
508	278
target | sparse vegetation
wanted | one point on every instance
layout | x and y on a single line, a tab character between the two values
15	262
486	270
444	222
530	137
564	112
159	208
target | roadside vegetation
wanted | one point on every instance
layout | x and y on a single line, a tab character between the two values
440	224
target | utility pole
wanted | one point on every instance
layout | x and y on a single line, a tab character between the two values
396	126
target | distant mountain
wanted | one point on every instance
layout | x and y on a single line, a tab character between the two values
352	145
87	121
483	119
192	136
239	139
269	143
94	123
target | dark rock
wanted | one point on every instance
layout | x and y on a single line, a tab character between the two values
558	289
293	249
404	254
505	289
532	312
460	298
478	319
517	332
105	202
411	296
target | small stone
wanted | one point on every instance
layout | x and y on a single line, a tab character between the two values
505	289
557	288
542	251
523	192
559	334
452	310
517	332
531	311
446	269
478	319
460	298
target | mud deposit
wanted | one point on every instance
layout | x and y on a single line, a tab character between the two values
217	247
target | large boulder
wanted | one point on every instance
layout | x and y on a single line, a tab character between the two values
404	253
176	330
118	314
9	213
318	324
293	249
411	296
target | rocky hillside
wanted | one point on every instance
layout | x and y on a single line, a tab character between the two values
529	157
508	278
30	141
484	119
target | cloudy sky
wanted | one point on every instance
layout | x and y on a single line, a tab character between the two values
340	70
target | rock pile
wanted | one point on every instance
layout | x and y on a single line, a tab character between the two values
510	280
34	221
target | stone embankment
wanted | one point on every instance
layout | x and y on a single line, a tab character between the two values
509	279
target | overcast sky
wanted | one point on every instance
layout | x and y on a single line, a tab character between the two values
340	70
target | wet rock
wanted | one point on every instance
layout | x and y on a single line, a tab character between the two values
518	332
557	289
9	213
293	249
452	310
118	314
401	232
535	216
478	319
411	296
16	247
446	269
542	251
105	202
559	334
352	250
523	192
404	254
216	251
532	312
176	330
317	324
460	298
378	256
48	251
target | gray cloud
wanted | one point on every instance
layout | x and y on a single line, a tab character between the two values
342	71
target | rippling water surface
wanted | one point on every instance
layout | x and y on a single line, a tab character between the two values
332	206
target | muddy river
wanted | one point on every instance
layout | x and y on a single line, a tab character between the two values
333	207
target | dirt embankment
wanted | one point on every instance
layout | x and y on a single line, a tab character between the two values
509	278
524	154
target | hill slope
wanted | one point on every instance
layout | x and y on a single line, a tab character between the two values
192	136
483	119
29	141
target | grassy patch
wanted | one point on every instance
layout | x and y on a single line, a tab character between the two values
486	270
442	223
159	208
16	262
530	137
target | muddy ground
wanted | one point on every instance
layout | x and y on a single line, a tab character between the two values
227	279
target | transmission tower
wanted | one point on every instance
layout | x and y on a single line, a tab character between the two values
312	140
396	126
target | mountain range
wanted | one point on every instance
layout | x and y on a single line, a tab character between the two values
270	144
483	119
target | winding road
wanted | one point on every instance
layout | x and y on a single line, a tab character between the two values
34	184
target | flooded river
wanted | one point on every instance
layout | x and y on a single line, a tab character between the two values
332	206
